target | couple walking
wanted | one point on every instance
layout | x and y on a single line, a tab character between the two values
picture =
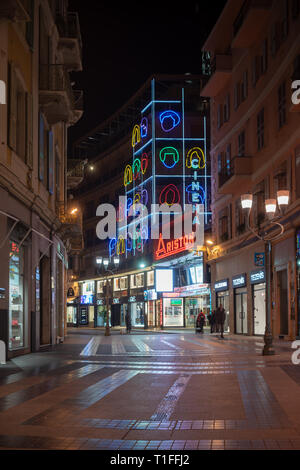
217	320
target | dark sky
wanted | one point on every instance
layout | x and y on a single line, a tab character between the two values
126	42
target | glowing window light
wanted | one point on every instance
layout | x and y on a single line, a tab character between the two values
144	127
169	153
195	158
196	193
144	162
136	167
112	246
169	195
169	120
136	135
127	175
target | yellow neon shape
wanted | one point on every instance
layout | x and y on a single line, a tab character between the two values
136	198
127	175
136	135
199	156
121	246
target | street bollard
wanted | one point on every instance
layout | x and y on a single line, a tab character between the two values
2	352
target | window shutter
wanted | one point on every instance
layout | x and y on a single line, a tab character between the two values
12	109
29	150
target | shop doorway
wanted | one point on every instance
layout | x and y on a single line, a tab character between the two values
259	308
45	303
59	299
223	299
282	283
115	314
240	305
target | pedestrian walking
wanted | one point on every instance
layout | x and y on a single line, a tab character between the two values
213	322
200	321
220	318
128	322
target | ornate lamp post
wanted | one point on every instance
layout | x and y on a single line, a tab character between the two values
270	208
107	288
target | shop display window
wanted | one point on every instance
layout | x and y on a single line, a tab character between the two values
137	280
16	297
150	278
137	314
87	288
173	312
100	285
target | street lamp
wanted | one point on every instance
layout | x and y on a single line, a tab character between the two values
270	208
107	287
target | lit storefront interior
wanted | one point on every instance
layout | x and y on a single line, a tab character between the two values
17	318
222	298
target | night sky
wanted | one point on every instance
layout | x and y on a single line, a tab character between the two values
124	43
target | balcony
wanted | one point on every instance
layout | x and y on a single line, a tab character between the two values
71	230
234	174
57	98
75	173
221	68
13	10
253	12
70	42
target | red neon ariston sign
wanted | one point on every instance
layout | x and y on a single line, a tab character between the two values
172	247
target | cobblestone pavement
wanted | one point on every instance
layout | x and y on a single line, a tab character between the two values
151	391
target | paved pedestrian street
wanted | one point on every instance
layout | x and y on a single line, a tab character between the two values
151	391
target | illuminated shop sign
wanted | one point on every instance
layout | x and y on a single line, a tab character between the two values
87	299
100	302
116	300
239	281
194	289
164	280
2	92
222	285
132	299
150	294
258	276
172	247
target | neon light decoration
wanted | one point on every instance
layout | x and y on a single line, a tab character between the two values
169	195
127	175
129	204
120	213
136	198
128	243
136	167
169	120
120	246
172	247
196	193
144	162
144	127
112	247
195	158
169	153
136	135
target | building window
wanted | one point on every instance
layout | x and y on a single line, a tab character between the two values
260	130
16	297
255	70
264	57
241	144
240	218
282	104
244	86
224	225
220	116
136	280
236	95
150	278
227	109
285	21
275	38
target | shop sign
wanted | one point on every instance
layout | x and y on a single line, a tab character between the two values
116	300
222	285
2	293
259	259
83	316
87	299
239	281
70	292
169	295
176	301
150	294
100	301
172	247
258	276
164	280
193	289
132	299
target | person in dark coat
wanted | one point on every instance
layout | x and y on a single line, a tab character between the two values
213	322
128	322
200	321
220	318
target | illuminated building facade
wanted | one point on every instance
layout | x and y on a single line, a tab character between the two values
255	144
165	160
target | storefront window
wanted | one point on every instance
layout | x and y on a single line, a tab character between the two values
223	299
193	306
137	314
173	312
88	288
16	297
100	285
150	278
137	280
71	315
123	283
117	284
